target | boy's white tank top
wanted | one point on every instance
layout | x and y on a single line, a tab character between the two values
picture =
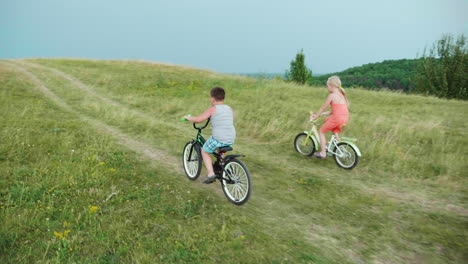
222	123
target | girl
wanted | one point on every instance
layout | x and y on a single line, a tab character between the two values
339	114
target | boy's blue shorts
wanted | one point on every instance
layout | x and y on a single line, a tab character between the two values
211	145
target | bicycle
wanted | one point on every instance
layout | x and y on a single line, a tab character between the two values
345	152
231	172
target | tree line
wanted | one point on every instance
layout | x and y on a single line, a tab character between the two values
441	71
391	74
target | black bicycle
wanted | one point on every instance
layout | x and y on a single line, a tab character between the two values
230	171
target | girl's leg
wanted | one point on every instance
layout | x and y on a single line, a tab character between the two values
323	144
337	137
208	162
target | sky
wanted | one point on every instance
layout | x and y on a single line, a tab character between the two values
241	36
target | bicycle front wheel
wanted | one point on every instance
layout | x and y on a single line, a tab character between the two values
304	144
346	156
236	182
192	161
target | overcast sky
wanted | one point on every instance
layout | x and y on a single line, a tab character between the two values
238	36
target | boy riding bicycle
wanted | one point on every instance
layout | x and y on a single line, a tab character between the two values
222	123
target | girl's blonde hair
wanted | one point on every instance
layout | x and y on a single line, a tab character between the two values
336	82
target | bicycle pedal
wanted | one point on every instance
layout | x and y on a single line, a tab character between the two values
329	154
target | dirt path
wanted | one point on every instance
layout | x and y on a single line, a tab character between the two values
262	207
420	199
155	156
77	83
148	152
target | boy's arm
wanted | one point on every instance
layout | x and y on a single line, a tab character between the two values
198	119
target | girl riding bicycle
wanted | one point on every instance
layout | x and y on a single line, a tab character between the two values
339	114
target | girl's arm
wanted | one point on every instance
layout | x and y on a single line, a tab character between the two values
325	105
198	119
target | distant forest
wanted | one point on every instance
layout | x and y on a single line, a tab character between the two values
391	74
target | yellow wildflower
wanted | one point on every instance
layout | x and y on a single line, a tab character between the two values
102	163
62	235
58	234
93	209
112	169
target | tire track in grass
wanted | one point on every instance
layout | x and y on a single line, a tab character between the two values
165	159
406	198
425	203
142	147
148	152
80	85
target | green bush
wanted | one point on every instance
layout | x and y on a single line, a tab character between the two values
299	72
443	69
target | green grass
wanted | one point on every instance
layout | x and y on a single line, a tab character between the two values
404	203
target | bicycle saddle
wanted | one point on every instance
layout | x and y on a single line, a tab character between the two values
225	149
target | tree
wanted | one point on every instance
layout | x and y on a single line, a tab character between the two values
443	71
299	72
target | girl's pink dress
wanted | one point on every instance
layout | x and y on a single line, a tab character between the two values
337	120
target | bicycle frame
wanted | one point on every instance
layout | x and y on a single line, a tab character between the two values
200	140
220	160
333	142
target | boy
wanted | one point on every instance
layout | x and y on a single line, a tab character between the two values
222	123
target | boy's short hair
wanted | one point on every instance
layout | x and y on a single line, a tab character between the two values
217	93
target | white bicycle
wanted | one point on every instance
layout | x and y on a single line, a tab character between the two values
345	152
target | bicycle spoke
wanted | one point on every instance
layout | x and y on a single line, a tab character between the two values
240	192
191	161
304	144
347	155
243	188
236	190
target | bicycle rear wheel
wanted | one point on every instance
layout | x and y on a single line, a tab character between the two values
192	162
304	144
237	190
346	156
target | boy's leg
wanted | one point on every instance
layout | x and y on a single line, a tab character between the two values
208	162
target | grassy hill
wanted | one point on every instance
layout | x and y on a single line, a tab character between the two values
90	171
391	74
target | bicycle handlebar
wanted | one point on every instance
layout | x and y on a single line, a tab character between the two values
194	124
317	118
203	127
184	119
